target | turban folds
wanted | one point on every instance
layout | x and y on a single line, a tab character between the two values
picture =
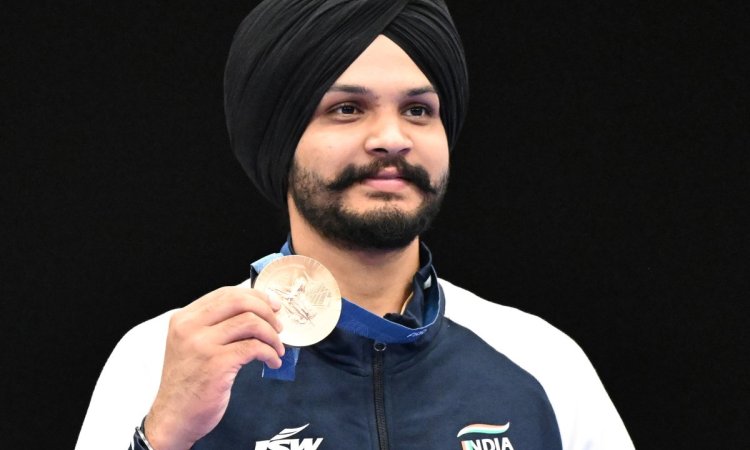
287	53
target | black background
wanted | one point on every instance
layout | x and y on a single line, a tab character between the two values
598	183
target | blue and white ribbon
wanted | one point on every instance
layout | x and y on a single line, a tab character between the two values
354	319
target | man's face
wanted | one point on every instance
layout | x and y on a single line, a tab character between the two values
371	168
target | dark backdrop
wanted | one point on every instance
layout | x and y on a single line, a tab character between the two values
597	184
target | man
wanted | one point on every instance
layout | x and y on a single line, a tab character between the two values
344	113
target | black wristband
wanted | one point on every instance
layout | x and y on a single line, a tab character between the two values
140	437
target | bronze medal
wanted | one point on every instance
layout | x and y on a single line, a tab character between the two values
309	296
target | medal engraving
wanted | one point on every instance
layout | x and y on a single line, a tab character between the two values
309	296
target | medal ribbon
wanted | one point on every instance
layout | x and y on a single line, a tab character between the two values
354	319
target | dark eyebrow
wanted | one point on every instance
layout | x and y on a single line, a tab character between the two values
419	91
350	89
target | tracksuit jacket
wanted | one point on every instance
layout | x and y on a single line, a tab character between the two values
481	376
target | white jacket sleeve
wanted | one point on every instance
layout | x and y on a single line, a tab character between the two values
585	414
126	387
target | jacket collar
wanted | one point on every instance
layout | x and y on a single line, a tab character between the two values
353	350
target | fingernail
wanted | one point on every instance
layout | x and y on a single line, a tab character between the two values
273	300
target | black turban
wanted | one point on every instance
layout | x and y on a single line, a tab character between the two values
287	53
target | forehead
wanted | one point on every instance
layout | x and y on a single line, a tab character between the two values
383	63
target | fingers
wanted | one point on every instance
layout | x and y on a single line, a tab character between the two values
225	317
227	302
249	325
253	349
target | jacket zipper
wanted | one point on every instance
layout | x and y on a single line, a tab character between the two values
378	379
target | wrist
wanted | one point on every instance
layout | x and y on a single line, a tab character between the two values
156	438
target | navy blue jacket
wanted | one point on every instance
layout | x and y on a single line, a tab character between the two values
447	390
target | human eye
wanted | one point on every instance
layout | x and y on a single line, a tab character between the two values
345	109
418	111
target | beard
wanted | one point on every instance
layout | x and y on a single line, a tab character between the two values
385	228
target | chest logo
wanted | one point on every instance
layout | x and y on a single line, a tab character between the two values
485	443
282	442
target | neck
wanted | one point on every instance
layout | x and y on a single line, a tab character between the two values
377	280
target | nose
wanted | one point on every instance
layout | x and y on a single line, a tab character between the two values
387	137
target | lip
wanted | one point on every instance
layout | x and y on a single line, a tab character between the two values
386	184
387	180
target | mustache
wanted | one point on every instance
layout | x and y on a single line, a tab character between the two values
414	174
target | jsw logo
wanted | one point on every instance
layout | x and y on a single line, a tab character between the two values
281	441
